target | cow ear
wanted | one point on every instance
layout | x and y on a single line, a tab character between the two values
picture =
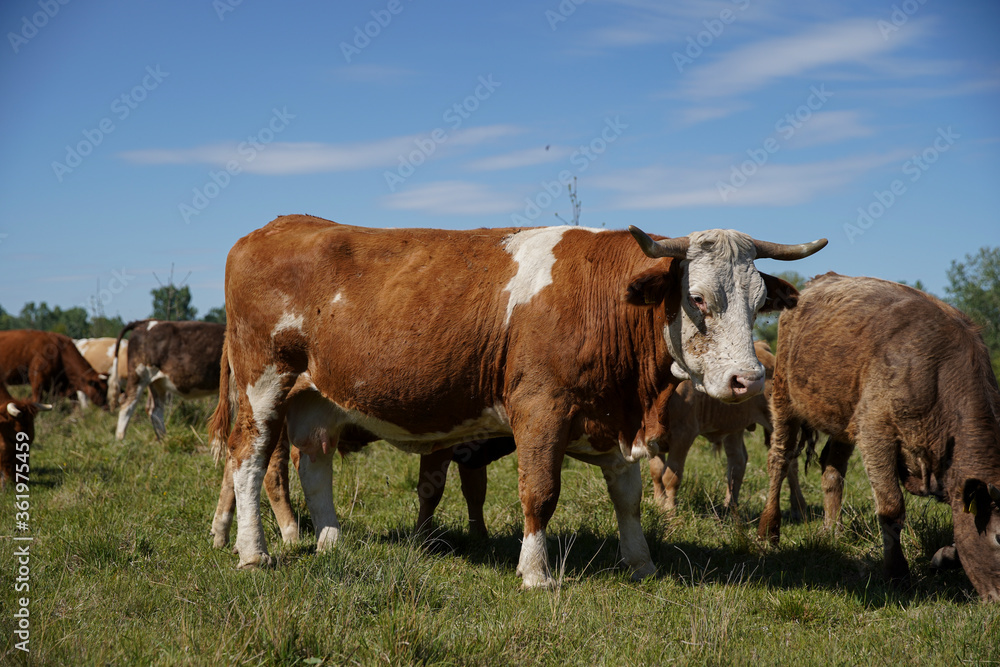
649	287
976	497
780	294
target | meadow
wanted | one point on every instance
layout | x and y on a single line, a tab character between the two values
122	570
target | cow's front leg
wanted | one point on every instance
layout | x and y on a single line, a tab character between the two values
625	488
540	452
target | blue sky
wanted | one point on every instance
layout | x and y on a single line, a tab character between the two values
137	136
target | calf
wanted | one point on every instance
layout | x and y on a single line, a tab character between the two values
905	378
692	413
17	432
51	364
167	357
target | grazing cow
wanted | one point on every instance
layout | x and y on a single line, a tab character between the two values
168	357
99	353
17	431
907	379
567	339
50	363
692	413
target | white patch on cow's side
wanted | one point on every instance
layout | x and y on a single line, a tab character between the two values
338	297
82	344
532	249
533	563
287	321
151	324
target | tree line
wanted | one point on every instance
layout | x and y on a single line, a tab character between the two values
169	303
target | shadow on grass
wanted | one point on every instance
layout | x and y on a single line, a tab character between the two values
819	564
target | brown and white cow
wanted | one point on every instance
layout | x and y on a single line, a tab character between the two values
17	432
168	357
51	364
692	413
99	353
907	379
568	339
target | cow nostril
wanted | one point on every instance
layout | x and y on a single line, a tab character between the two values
736	382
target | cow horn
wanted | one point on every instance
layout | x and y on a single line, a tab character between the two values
43	406
103	376
768	250
12	410
668	248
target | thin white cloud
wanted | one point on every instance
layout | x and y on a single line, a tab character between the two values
769	185
314	157
523	158
829	127
752	67
452	198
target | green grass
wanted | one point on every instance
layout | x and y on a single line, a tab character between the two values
123	572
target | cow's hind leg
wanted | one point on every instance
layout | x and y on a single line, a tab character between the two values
430	486
474	490
156	407
137	383
225	510
258	427
276	486
316	476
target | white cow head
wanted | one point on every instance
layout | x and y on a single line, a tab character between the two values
712	293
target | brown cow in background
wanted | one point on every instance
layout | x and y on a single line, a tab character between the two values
691	413
17	431
907	379
51	364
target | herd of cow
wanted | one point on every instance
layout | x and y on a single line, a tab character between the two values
606	346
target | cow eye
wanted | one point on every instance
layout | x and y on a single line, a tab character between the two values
698	301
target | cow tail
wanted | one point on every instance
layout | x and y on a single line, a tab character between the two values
113	389
221	421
